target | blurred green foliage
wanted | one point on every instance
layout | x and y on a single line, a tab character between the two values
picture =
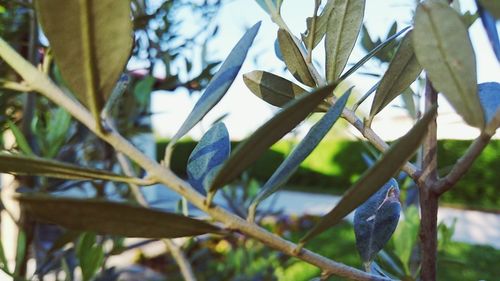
230	258
336	164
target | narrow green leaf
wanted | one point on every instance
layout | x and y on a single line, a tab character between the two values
91	41
273	130
293	59
106	217
403	70
493	6
372	53
274	89
342	30
27	165
321	24
220	83
444	49
302	150
21	141
390	162
90	255
20	252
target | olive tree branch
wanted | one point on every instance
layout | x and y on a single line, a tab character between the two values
463	164
41	83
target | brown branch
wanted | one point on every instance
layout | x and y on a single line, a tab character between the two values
428	199
463	164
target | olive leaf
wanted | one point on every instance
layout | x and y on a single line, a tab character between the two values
91	41
403	70
113	218
371	54
249	150
344	24
489	96
444	50
490	25
301	151
293	59
390	162
274	89
30	165
321	24
208	156
375	221
219	84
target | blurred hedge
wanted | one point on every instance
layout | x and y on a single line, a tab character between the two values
334	165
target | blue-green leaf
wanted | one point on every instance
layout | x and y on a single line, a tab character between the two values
301	151
370	182
208	156
250	150
220	83
489	95
490	25
376	219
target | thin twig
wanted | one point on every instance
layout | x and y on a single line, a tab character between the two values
463	164
41	83
429	160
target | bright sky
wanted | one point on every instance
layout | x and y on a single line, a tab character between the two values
247	112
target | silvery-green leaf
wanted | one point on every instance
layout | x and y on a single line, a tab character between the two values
403	70
344	24
489	95
29	165
321	24
493	6
444	50
370	182
220	83
293	59
303	149
282	123
208	156
490	25
372	53
91	41
376	219
275	89
377	270
113	218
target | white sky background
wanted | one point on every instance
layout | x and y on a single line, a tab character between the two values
247	112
